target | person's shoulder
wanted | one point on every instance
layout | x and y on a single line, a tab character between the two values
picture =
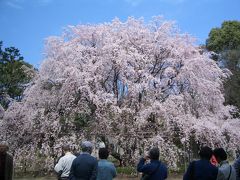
214	168
238	160
78	158
68	157
222	168
76	154
61	158
198	161
109	163
163	165
87	156
94	158
201	163
72	155
9	156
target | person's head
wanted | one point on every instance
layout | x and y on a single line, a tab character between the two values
87	146
220	154
103	153
206	153
66	148
3	147
154	153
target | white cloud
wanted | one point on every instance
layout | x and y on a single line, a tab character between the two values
19	4
45	2
174	1
14	4
138	2
134	2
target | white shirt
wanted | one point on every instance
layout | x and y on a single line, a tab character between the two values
64	164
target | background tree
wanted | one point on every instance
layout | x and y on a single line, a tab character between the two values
225	41
13	75
231	60
225	38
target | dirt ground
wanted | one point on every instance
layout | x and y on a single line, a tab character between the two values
171	177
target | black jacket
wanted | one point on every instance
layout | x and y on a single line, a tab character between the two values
7	163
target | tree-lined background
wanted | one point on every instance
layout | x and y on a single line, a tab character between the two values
225	42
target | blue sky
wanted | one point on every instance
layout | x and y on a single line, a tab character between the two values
26	23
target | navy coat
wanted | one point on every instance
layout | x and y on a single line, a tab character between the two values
84	167
156	169
201	170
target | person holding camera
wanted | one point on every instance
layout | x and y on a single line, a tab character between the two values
155	169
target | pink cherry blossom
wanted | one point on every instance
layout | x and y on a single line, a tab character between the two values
137	84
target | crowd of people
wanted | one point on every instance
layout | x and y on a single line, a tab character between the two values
212	165
84	166
218	169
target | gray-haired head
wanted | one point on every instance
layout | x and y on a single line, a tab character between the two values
87	146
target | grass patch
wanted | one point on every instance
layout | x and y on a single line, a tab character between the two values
128	170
